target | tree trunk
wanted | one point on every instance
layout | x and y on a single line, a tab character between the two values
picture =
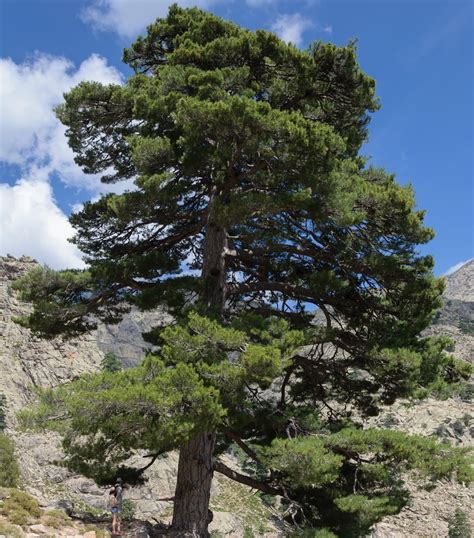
191	513
193	488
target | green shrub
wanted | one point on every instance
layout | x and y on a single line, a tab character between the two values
19	517
6	529
9	470
458	525
111	363
56	519
18	504
128	509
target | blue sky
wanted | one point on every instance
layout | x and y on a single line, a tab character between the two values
420	52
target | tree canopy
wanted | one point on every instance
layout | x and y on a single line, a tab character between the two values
291	268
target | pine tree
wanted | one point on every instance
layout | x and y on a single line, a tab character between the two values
9	470
111	363
253	213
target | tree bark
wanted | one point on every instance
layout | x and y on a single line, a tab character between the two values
193	487
191	514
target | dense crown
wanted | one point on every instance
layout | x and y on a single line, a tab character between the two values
252	216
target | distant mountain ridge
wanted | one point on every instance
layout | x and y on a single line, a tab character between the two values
460	284
456	317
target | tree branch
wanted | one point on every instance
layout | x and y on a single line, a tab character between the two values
238	441
246	480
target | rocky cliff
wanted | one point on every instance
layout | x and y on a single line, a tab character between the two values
27	361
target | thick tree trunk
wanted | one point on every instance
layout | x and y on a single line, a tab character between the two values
191	514
193	488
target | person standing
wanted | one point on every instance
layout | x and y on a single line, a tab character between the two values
112	504
118	505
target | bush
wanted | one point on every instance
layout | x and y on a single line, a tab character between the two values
128	510
10	530
458	525
111	363
56	519
19	517
20	508
9	470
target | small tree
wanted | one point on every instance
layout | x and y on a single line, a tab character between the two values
111	363
3	412
9	469
458	525
252	213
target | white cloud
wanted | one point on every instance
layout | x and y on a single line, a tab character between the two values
291	27
327	29
30	133
32	137
454	268
130	17
32	224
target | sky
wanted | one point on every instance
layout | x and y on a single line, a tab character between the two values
420	52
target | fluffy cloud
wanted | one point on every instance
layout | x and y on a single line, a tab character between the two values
130	17
291	27
32	137
30	133
32	224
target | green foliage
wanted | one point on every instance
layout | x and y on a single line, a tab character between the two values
305	461
19	517
151	407
458	525
20	508
3	417
6	529
9	470
128	510
306	532
111	363
467	326
56	519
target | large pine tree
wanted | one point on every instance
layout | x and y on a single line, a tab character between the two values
290	266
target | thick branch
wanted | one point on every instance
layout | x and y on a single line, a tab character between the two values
246	480
285	288
238	441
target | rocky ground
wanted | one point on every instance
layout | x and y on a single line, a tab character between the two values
27	361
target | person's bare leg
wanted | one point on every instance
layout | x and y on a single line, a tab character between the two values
114	523
119	522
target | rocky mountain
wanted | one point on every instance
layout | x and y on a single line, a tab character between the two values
456	318
27	361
